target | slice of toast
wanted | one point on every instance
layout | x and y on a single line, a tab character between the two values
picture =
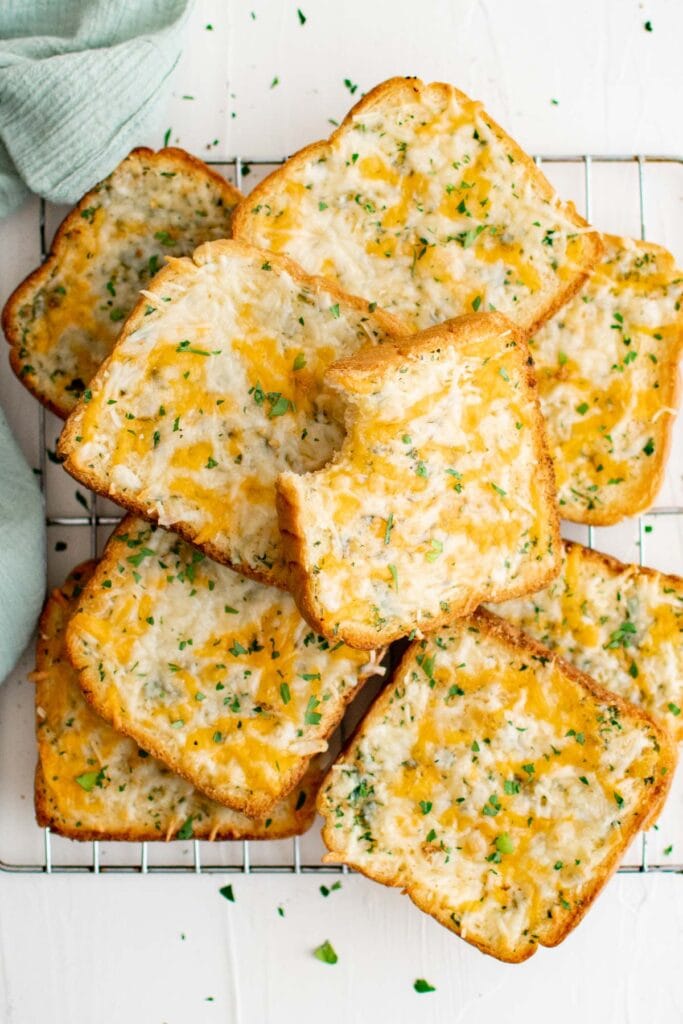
497	785
622	624
215	675
607	377
214	388
64	318
441	496
95	783
422	203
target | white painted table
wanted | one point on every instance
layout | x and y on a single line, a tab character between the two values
155	949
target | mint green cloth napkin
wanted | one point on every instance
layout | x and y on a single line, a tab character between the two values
79	80
22	551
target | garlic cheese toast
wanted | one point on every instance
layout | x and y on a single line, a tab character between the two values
95	783
496	784
622	624
215	675
607	377
213	389
420	202
441	496
64	318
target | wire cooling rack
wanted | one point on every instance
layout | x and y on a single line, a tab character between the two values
623	193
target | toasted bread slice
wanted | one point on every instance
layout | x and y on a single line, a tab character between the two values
442	495
64	318
215	675
420	202
607	377
213	389
622	624
95	783
497	785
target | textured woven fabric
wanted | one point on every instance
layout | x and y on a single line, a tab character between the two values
22	550
79	79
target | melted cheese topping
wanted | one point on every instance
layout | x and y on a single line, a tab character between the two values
620	624
435	501
606	368
214	394
493	786
217	675
95	782
421	204
151	207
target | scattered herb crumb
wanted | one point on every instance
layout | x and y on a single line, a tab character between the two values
61	545
668	850
555	103
227	893
281	911
276	81
167	136
324	891
648	26
81	499
420	985
302	16
325	953
209	28
351	86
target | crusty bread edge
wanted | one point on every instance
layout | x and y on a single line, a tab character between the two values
54	617
292	512
24	291
518	641
255	806
641	494
203	254
276	179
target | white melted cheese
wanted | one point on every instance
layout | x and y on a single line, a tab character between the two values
214	393
95	782
419	203
435	501
620	624
217	675
154	205
607	367
490	785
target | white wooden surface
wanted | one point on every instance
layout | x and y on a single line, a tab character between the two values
166	950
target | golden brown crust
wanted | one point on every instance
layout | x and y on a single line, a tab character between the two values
74	223
411	85
517	641
53	620
255	806
291	514
646	485
175	270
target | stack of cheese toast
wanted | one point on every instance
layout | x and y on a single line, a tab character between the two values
348	410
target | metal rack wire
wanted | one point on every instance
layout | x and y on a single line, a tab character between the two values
93	519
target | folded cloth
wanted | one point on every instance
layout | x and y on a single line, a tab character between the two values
22	550
79	79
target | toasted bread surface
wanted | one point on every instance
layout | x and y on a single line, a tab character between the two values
607	377
215	675
214	388
62	321
442	492
622	624
95	783
496	784
420	202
